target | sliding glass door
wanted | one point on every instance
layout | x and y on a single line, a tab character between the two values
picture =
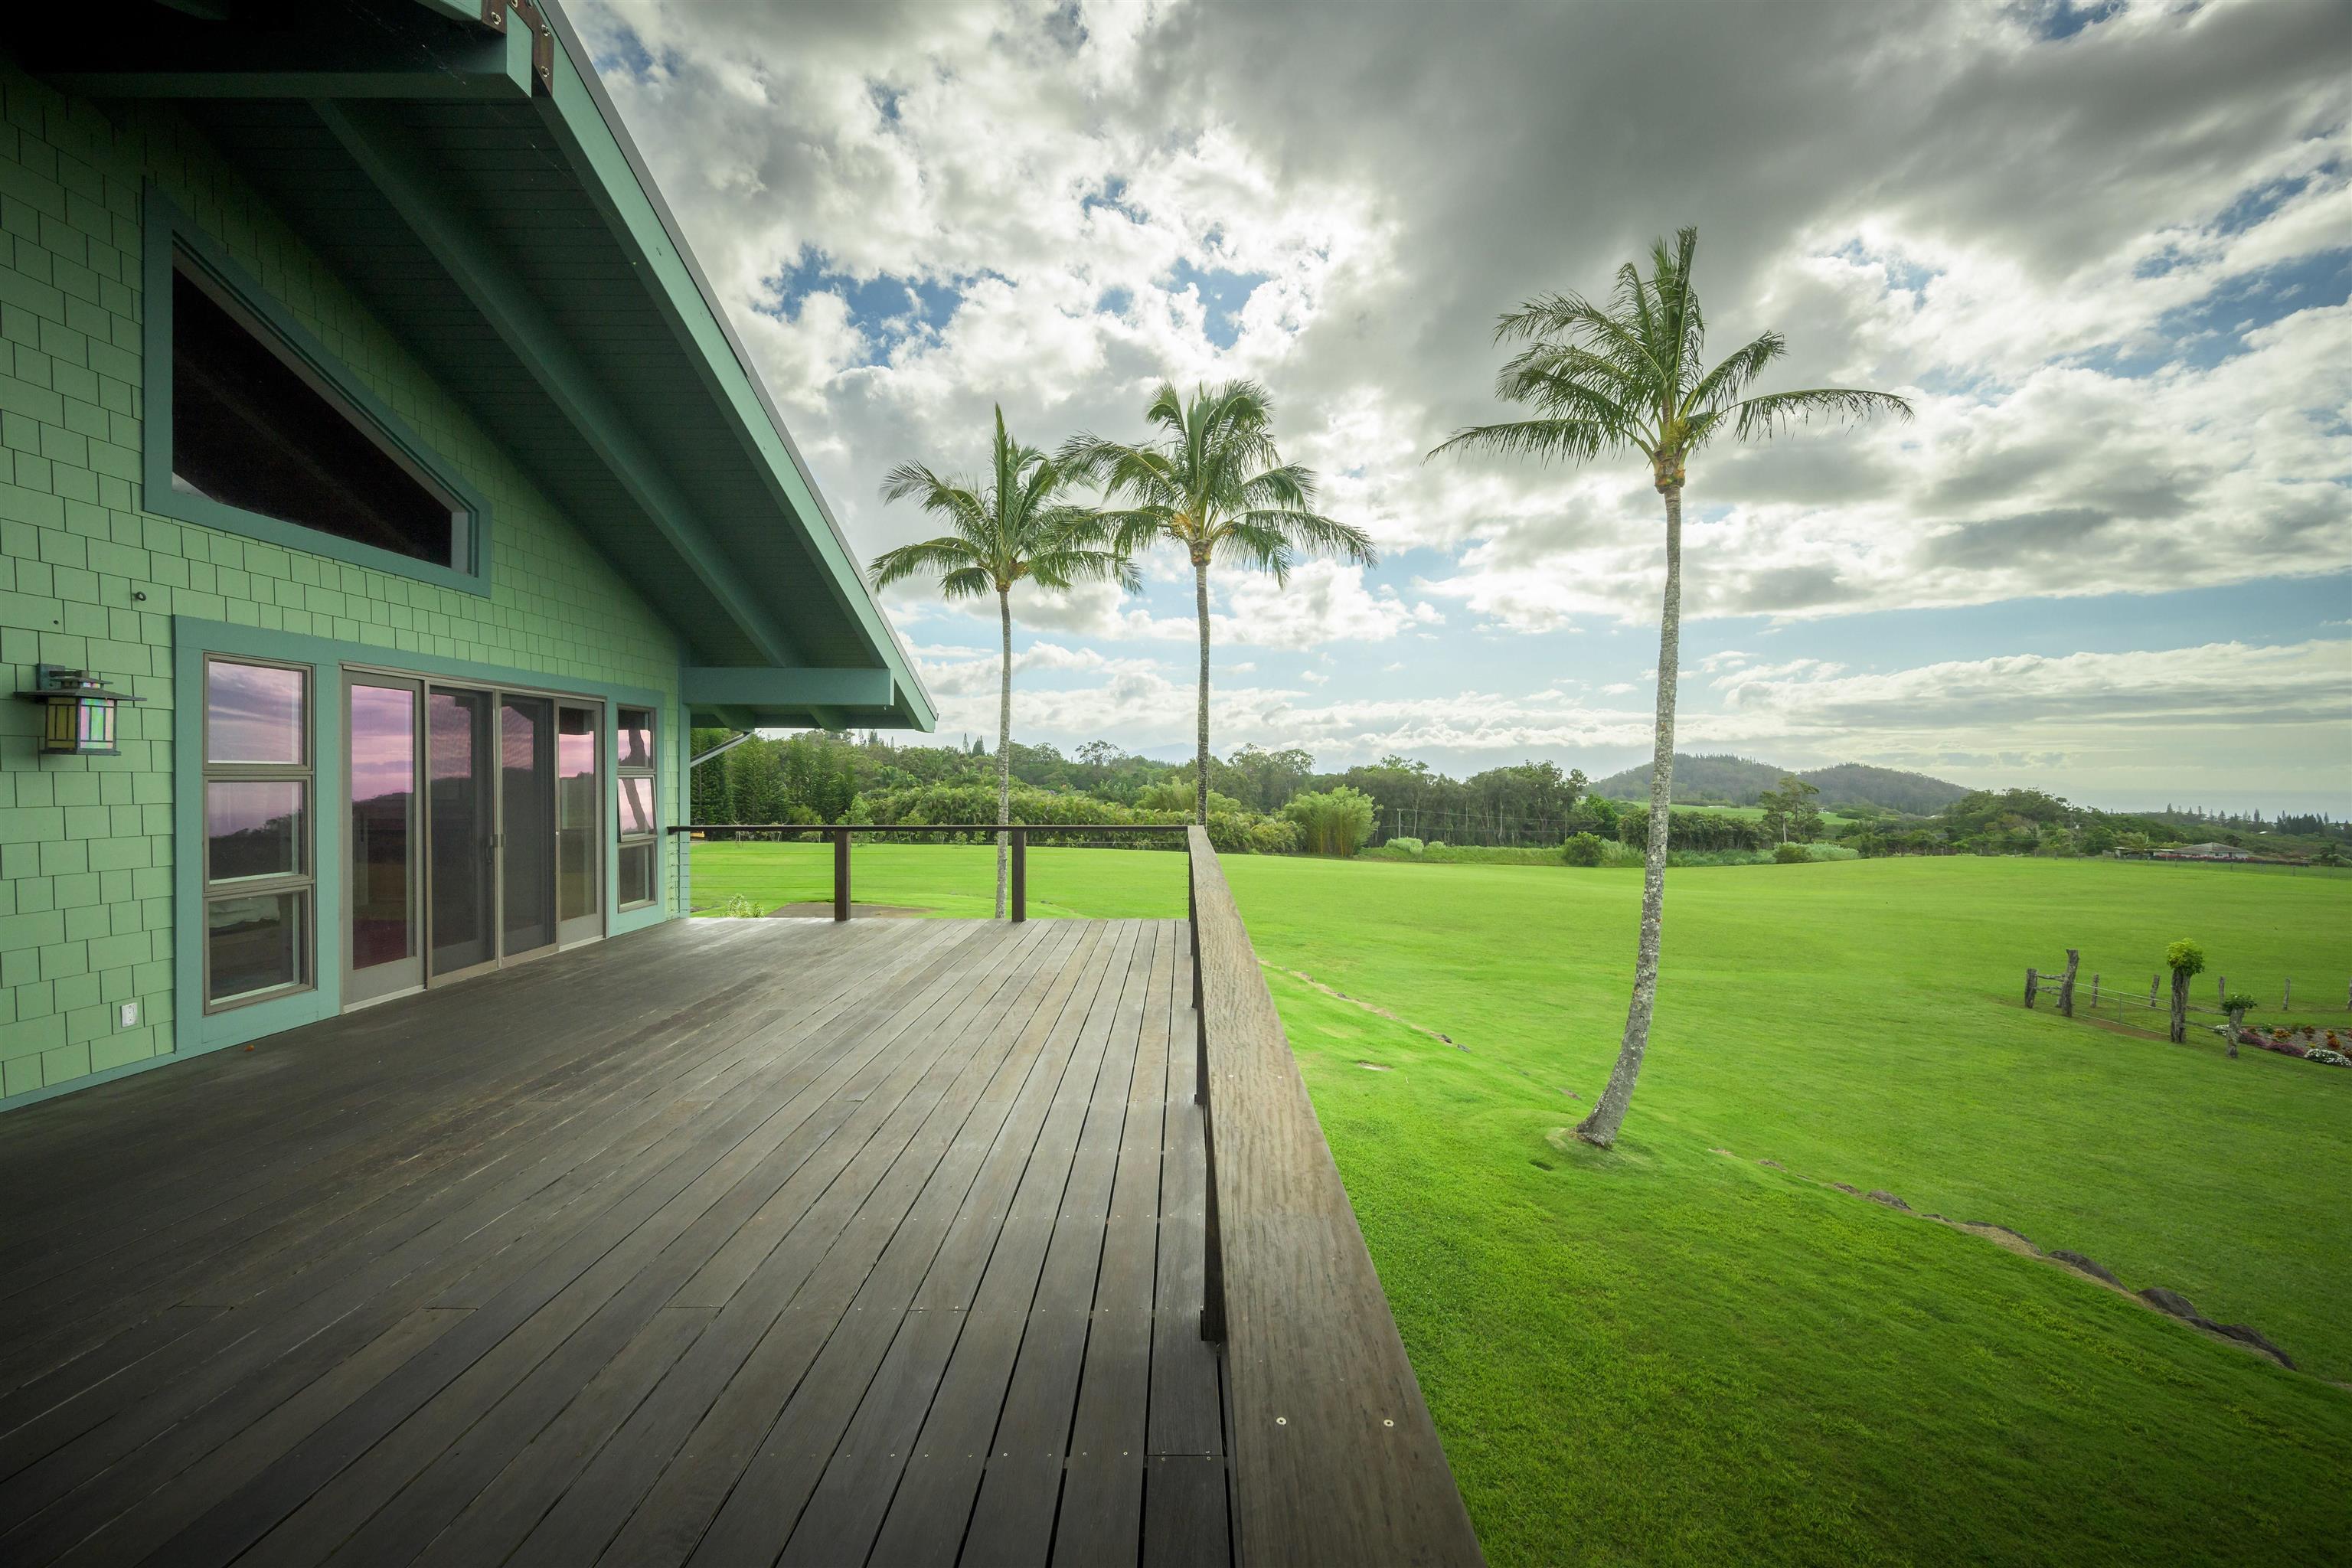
461	825
526	824
474	840
384	951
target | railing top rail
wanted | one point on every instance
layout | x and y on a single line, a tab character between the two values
1335	1457
928	826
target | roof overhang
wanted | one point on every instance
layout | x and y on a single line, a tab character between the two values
460	165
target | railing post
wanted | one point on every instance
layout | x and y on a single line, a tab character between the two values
841	873
1020	837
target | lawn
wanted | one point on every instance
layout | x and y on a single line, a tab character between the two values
1672	1352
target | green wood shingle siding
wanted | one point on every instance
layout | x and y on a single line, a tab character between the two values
89	580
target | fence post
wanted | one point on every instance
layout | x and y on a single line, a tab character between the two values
2066	986
1020	837
2032	983
2287	1000
841	873
2094	991
2221	987
2151	990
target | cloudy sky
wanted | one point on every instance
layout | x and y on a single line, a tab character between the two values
2106	249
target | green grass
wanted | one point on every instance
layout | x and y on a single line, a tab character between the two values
1665	1353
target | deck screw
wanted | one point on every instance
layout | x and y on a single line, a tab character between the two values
1282	1420
1387	1422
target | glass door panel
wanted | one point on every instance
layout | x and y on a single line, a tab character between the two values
579	882
527	823
384	951
460	814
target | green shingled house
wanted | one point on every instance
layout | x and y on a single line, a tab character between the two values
367	425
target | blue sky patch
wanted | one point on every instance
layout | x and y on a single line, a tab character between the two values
1223	293
885	308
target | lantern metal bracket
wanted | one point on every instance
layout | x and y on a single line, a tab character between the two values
80	717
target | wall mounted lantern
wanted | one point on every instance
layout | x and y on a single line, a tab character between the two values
78	712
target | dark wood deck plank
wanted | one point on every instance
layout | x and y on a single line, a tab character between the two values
842	1354
707	1414
1013	1514
995	1260
250	1362
586	1298
680	1037
736	1241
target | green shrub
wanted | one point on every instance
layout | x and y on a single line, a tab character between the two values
2238	1002
1335	822
1246	833
1583	850
1792	855
2185	957
1404	845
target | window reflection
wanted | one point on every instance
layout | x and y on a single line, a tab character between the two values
253	713
636	806
383	804
253	828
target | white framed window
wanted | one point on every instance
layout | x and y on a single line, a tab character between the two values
259	868
637	793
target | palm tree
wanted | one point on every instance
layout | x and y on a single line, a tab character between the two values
1018	523
1215	487
1628	378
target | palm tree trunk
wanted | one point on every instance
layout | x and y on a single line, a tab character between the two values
1609	1113
1004	742
1201	766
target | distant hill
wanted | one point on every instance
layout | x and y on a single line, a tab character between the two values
1726	780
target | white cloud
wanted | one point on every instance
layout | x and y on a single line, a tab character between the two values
2100	267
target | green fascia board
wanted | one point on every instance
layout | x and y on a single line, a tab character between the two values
193	639
588	132
430	60
404	173
167	229
762	687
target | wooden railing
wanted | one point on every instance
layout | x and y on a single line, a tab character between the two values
1017	841
1334	1457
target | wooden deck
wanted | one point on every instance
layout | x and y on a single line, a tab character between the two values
727	1242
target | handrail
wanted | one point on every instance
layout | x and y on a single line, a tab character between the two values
1016	836
1335	1459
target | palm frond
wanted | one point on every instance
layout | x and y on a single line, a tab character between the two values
966	582
1732	375
941	555
1261	547
1775	411
1571	439
1310	531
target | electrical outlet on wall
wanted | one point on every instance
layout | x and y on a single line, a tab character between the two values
130	1014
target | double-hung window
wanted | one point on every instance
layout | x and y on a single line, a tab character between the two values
640	856
259	874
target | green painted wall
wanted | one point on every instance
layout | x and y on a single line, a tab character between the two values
89	580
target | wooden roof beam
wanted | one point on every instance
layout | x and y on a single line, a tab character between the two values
409	180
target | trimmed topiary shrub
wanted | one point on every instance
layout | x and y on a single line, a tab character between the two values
1792	855
1405	844
1583	849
